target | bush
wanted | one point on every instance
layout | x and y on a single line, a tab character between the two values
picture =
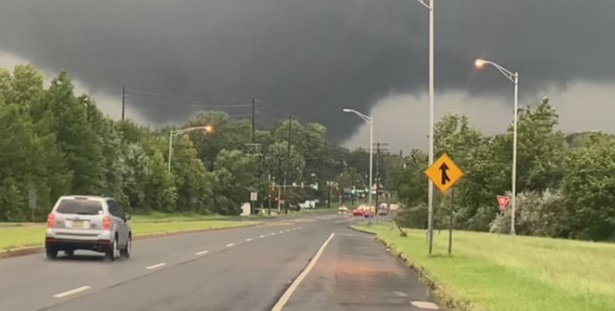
536	214
413	217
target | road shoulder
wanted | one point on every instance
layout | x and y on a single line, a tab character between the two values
356	273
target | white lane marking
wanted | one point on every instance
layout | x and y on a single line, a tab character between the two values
262	236
425	305
272	233
230	244
248	239
71	292
281	231
293	287
201	253
156	266
287	230
400	294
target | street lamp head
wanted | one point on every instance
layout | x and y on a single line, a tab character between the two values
347	110
208	128
479	63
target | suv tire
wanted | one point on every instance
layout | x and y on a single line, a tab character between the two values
125	252
111	252
51	253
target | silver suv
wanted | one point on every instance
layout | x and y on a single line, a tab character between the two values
88	223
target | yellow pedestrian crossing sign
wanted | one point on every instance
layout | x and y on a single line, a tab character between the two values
444	173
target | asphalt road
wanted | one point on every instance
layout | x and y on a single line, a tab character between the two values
238	269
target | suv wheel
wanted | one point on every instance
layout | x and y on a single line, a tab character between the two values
112	251
125	252
51	253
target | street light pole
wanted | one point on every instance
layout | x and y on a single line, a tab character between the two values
429	4
207	128
370	121
514	159
371	162
170	150
514	78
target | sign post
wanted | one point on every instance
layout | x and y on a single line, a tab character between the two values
450	222
253	199
444	173
503	202
32	202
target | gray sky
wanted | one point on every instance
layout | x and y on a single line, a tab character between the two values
313	58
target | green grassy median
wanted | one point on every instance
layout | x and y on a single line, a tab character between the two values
490	272
33	234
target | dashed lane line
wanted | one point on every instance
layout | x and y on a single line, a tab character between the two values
71	292
158	265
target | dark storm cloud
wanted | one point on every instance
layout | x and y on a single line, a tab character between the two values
310	57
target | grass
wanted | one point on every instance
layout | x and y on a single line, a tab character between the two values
32	234
490	272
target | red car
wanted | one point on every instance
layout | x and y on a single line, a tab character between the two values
358	212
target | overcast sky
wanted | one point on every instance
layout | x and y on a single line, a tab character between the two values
312	58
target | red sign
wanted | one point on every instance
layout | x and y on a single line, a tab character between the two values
503	202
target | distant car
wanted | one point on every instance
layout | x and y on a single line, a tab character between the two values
358	212
92	223
342	209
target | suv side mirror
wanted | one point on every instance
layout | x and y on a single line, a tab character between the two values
127	217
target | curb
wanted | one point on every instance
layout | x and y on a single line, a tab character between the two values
23	251
365	232
427	279
14	252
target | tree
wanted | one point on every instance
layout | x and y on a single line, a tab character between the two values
589	187
57	142
76	139
235	172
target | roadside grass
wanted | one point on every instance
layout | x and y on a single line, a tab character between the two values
490	272
32	234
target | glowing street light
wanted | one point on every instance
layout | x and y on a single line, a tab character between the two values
207	128
514	78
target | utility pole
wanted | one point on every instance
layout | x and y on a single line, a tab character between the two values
377	178
123	102
270	181
253	120
329	193
290	125
378	150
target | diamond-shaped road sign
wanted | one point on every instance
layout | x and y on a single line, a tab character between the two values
444	173
503	202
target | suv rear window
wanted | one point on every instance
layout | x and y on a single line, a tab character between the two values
79	206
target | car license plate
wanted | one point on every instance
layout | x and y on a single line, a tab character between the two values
78	224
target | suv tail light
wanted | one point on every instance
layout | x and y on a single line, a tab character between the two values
106	223
51	221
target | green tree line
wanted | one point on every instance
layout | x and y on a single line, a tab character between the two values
55	142
565	183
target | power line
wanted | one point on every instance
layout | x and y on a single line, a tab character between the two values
238	98
198	105
206	103
304	120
